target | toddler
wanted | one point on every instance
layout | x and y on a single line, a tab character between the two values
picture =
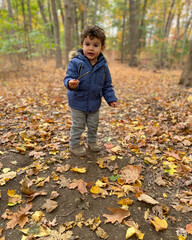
87	80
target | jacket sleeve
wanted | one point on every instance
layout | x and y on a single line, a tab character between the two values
72	73
108	91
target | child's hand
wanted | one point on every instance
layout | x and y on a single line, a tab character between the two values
73	83
113	104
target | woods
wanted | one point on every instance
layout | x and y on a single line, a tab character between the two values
137	29
139	186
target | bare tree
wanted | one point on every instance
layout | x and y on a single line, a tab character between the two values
166	31
141	35
186	76
56	35
86	3
123	32
133	61
68	27
95	13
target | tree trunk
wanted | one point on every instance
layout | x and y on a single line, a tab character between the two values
167	27
86	3
56	35
95	13
68	28
142	40
29	15
133	61
123	33
186	76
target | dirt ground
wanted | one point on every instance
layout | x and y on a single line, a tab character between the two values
67	201
112	131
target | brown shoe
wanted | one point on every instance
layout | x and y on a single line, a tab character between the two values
78	151
94	147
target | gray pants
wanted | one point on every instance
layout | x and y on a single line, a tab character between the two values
81	119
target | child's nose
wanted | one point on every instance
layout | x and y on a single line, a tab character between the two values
91	47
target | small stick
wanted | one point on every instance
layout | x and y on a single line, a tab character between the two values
83	75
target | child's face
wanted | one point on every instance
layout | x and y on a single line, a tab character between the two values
92	48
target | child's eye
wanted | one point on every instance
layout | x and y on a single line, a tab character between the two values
96	45
87	44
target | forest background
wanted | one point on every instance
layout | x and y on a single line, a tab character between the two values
139	32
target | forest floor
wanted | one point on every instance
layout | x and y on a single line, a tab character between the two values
138	187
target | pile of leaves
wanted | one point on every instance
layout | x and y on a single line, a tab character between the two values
143	175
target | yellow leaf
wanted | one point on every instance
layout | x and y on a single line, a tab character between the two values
189	98
112	158
43	231
139	234
164	195
100	184
95	189
6	170
160	224
11	193
130	232
180	237
125	201
79	170
37	216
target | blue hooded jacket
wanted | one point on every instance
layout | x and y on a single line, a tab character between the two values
97	83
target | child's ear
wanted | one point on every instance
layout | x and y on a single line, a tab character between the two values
102	48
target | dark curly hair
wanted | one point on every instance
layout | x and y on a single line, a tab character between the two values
92	32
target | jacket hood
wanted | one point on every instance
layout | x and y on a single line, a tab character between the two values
79	53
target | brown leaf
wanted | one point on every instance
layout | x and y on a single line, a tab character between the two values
131	173
160	182
30	197
118	215
63	168
20	217
36	155
25	186
54	194
64	182
80	184
49	205
146	198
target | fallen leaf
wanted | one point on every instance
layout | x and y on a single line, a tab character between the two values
80	184
49	205
54	194
42	231
37	216
146	198
36	155
189	228
159	224
160	182
131	173
5	177
62	169
118	215
101	233
20	217
63	182
125	201
25	186
79	170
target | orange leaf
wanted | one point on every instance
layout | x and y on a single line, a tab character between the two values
80	184
118	215
189	228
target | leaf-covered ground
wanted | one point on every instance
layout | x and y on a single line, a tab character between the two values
138	187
